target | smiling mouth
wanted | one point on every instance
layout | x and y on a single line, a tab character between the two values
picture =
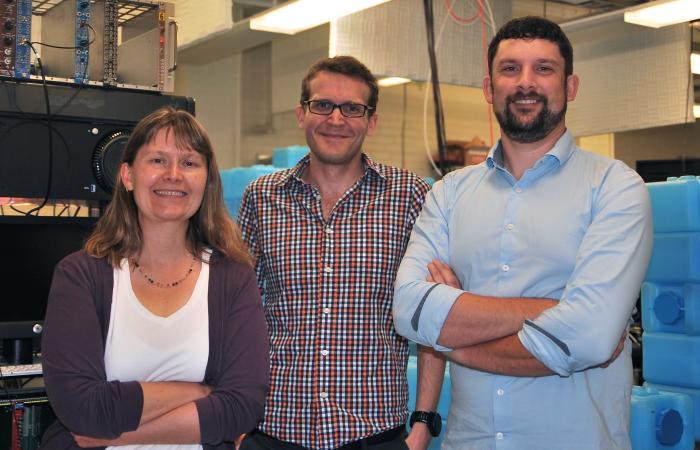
331	138
529	101
169	193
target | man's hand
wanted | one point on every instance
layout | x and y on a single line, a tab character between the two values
419	437
439	272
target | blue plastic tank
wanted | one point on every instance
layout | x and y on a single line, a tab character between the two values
676	204
672	359
671	308
288	157
236	179
661	420
675	258
693	394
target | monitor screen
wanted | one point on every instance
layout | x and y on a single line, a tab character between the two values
661	169
30	247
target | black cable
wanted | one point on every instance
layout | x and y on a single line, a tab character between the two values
85	74
49	125
437	98
65	47
80	85
70	100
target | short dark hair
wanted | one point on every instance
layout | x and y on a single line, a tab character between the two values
532	27
344	65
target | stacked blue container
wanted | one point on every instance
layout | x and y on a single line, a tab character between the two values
236	179
659	420
671	293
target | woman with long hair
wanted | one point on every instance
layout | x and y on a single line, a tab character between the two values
154	332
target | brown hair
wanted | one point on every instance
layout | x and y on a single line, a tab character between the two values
118	234
343	65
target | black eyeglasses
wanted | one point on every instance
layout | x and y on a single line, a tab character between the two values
326	108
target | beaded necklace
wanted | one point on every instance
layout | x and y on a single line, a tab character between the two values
155	282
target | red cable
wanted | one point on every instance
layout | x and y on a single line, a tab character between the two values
486	64
472	19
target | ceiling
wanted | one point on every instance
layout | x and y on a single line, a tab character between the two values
557	10
567	10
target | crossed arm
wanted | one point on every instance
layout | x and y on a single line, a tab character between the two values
126	412
482	331
504	355
169	416
528	336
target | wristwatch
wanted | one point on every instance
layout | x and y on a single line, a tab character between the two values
432	419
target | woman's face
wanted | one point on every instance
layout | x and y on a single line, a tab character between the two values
168	182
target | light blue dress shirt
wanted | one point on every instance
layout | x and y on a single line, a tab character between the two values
576	227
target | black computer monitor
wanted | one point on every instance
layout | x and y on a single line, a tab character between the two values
30	247
661	169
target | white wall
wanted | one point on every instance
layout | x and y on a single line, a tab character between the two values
215	87
230	89
465	117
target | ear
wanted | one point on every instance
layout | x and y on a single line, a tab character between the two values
488	90
300	115
125	175
572	82
371	123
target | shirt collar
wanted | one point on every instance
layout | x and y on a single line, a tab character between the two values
562	151
296	171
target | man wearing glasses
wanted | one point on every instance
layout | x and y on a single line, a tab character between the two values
328	236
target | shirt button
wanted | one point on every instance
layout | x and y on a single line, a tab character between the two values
326	310
324	352
329	230
505	267
518	190
510	226
323	395
499	435
328	269
500	392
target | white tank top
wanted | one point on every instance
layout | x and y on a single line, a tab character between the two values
142	346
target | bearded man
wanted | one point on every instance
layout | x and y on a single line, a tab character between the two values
524	270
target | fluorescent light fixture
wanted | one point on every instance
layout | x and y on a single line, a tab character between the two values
660	13
295	16
696	111
695	63
392	81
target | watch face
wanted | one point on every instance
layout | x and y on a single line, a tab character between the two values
431	419
436	426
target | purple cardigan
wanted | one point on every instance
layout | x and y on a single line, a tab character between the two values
77	320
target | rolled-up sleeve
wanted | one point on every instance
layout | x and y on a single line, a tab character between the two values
421	307
583	330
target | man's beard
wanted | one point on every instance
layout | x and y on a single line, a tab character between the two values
537	129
